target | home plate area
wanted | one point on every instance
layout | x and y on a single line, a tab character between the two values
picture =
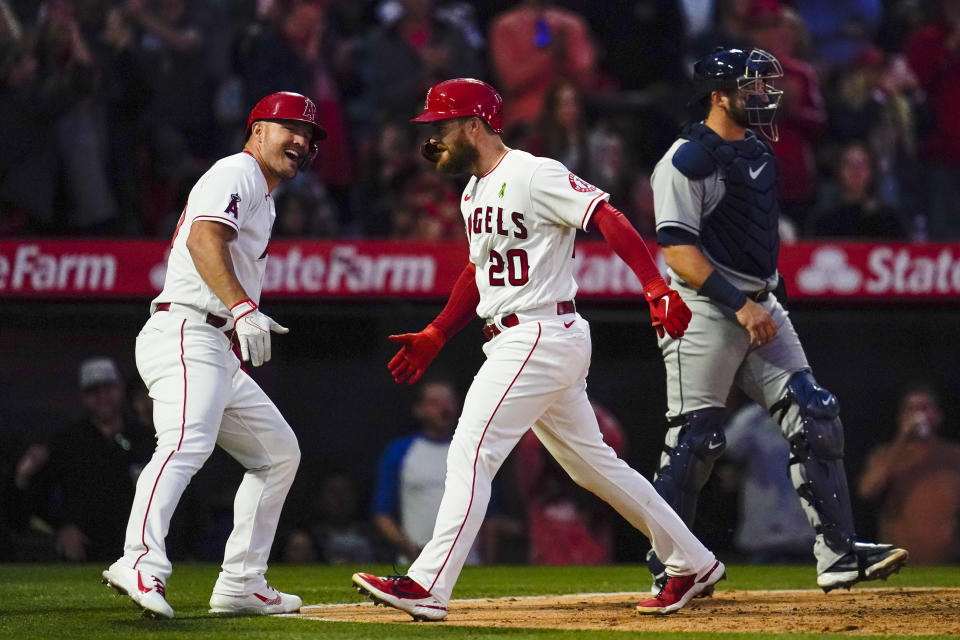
860	611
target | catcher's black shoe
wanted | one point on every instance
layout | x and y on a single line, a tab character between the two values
866	562
658	571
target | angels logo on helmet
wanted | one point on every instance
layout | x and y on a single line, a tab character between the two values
309	110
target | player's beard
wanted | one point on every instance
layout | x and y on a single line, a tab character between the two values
461	157
737	111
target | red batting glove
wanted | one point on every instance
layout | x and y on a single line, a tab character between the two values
418	351
667	309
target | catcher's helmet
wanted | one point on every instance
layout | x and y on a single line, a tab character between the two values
286	105
751	73
462	97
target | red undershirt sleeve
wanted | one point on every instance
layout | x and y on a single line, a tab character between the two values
626	242
461	308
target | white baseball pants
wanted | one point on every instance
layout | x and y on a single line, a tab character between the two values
201	398
535	376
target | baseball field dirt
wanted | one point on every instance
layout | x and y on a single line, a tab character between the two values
906	611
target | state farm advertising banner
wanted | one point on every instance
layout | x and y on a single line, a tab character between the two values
344	270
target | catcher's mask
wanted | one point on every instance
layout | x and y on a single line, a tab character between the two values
287	105
751	74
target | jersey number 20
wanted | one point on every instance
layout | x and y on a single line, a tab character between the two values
517	266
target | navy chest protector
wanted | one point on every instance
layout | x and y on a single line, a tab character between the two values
742	231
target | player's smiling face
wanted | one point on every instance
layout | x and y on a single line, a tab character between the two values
459	154
284	146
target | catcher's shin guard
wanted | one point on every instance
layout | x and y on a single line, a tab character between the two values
809	417
693	444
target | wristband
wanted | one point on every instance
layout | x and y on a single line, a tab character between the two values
242	308
722	291
655	288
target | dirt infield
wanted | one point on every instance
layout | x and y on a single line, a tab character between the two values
860	611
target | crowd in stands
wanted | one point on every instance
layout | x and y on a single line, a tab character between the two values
111	109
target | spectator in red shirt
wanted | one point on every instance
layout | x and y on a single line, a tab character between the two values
934	53
533	46
802	116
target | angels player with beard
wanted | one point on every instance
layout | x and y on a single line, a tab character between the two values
202	397
522	214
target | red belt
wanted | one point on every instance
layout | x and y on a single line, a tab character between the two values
212	320
492	330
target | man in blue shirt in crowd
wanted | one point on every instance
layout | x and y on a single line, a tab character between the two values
410	476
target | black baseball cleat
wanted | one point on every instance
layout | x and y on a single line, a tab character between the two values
866	562
658	570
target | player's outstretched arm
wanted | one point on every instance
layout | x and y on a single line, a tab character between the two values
667	309
419	349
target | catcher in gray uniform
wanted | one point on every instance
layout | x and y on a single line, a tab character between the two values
715	197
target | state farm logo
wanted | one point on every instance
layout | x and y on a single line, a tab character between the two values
347	270
31	269
901	271
829	271
883	270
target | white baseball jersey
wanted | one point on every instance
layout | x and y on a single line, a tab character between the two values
521	219
202	397
233	192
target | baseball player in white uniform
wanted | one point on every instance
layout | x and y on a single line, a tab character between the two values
521	214
201	394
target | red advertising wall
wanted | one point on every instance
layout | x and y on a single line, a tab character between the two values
107	269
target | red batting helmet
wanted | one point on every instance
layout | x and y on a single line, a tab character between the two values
286	105
462	97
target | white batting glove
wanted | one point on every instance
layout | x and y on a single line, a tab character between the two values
253	331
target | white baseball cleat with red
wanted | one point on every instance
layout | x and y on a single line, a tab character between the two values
400	592
266	601
680	590
147	591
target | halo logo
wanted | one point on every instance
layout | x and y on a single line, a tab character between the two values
309	110
580	184
829	271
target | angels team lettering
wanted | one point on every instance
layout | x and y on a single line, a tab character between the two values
484	221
